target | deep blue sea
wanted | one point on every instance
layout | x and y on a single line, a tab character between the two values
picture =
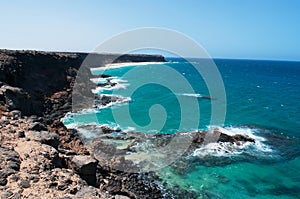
262	101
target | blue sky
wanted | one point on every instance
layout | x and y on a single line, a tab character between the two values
256	29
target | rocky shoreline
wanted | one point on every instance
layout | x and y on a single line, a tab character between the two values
41	158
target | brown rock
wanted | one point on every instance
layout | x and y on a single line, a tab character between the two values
44	137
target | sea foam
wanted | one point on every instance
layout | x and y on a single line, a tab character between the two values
230	149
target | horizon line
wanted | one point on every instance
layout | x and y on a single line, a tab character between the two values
215	58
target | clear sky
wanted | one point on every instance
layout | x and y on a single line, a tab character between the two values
257	29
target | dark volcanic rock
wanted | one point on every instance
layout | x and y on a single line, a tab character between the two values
234	139
3	176
9	164
37	126
205	137
21	134
86	167
16	98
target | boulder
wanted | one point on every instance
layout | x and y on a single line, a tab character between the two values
44	137
37	126
16	114
39	156
89	192
234	139
86	167
16	98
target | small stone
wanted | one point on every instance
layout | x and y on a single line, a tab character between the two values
12	167
3	181
24	184
34	179
53	184
12	131
16	196
121	197
14	178
7	194
16	114
21	134
62	187
3	176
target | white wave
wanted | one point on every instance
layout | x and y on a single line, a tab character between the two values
109	88
86	111
228	149
117	81
103	80
72	125
192	95
128	129
99	80
128	64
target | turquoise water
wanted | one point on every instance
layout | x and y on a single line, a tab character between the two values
262	100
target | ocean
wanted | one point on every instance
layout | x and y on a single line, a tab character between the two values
262	102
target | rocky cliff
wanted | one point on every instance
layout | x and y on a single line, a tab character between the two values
30	78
